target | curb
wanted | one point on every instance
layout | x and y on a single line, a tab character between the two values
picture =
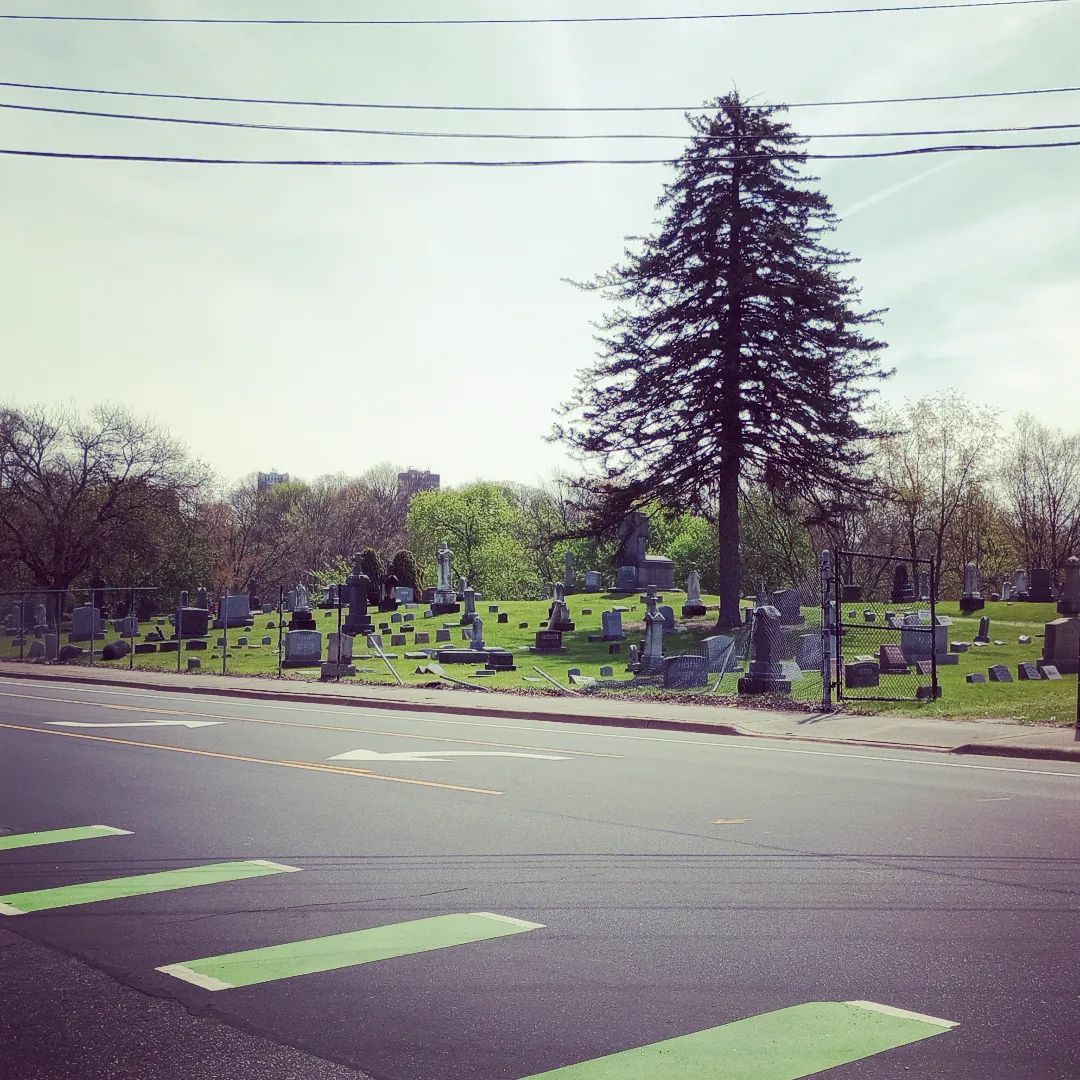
1050	753
698	727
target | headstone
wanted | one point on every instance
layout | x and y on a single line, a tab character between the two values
1007	591
503	618
850	594
983	636
924	585
606	672
891	660
920	641
37	650
1061	644
668	615
626	579
970	598
1028	671
444	600
1024	639
548	641
560	618
652	654
389	601
975	677
342	642
469	613
959	646
303	648
685	672
1049	671
693	606
195	644
594	581
86	624
1020	585
145	647
766	673
633	537
442	635
611	625
862	674
869	615
1000	673
1069	604
924	667
183	598
405	595
902	591
71	652
423	637
355	593
1041	589
233	611
267	641
194	663
396	617
718	651
789	603
398	640
193	622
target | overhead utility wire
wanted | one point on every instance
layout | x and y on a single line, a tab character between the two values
563	20
175	160
533	108
518	135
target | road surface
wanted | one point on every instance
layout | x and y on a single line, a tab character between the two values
298	889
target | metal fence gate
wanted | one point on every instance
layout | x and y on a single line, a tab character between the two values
888	641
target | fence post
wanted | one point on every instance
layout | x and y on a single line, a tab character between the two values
179	639
134	624
933	631
826	631
93	626
22	625
280	617
223	619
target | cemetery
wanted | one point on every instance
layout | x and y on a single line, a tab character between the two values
995	658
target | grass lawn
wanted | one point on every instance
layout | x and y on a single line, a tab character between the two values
1042	701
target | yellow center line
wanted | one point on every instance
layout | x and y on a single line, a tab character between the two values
309	765
96	704
319	727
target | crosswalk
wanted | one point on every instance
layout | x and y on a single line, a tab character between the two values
786	1044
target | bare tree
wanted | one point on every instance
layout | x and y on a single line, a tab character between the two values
1041	485
936	461
77	495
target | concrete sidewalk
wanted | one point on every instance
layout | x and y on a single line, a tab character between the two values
969	736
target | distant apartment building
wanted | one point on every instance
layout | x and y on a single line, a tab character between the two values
413	480
268	480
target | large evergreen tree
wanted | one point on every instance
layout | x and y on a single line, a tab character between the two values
735	350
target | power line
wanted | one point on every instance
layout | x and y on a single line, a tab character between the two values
520	135
575	19
175	160
534	108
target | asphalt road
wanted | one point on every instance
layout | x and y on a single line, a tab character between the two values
680	883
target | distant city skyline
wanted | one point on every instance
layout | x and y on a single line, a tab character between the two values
344	317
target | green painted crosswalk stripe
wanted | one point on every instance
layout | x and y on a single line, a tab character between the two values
58	836
782	1045
344	950
139	885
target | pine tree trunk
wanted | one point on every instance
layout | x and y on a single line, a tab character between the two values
730	408
727	529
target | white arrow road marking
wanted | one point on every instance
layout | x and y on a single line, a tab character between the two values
138	723
436	755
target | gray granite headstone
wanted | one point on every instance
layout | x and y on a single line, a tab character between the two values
1000	673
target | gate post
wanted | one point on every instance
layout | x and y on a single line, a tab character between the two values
826	631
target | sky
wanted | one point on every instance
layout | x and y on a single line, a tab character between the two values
323	320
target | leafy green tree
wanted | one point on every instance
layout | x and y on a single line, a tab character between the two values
734	350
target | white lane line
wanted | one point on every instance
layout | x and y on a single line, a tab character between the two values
524	924
727	742
204	982
275	865
891	1010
